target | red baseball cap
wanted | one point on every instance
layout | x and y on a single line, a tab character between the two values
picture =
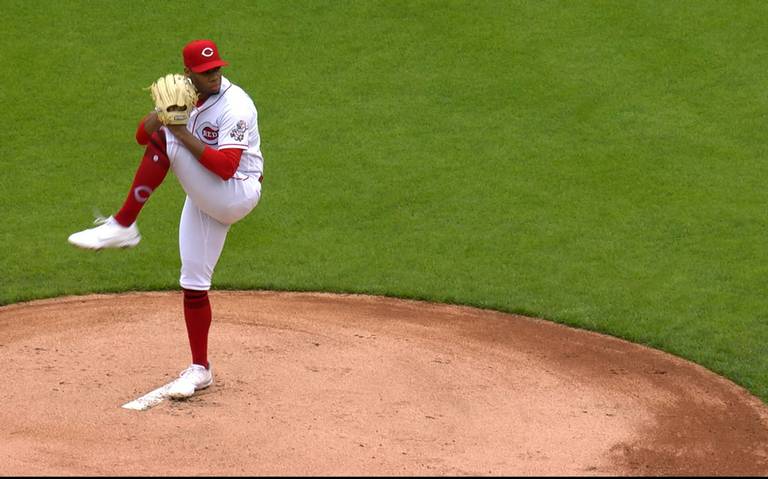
202	55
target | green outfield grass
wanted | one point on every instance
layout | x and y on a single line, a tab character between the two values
598	164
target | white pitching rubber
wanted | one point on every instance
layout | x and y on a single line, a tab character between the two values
149	400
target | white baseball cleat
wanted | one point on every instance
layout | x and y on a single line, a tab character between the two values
192	379
109	234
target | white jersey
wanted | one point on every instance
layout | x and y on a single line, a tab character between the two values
229	120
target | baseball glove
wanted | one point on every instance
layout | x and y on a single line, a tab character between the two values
174	97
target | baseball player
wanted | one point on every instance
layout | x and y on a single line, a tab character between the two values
214	150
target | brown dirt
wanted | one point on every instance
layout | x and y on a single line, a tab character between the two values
320	384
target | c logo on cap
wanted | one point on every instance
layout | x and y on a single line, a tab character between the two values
207	52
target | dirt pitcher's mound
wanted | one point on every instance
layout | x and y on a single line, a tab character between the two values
320	384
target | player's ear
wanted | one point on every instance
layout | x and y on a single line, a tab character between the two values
186	71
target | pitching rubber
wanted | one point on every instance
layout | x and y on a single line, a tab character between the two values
149	400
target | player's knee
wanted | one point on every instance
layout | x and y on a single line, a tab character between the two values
235	212
160	136
157	148
195	276
192	284
228	217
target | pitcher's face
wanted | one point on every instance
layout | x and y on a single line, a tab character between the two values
207	83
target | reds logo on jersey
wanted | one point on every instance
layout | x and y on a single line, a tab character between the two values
208	133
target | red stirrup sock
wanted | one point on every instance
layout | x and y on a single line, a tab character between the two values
197	315
150	174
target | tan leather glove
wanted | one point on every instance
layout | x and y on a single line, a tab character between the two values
174	97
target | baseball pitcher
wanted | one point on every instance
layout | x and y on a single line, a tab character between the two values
205	129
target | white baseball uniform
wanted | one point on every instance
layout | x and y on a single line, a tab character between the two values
225	120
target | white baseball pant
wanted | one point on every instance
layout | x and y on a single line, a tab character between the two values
211	207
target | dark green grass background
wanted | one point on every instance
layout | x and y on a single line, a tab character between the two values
599	164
